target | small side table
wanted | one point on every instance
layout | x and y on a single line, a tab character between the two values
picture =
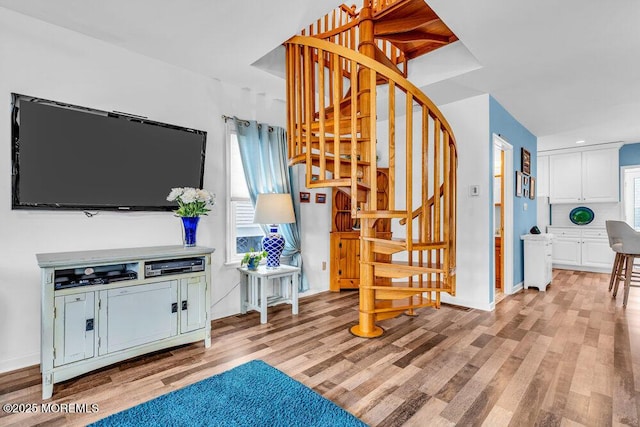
253	288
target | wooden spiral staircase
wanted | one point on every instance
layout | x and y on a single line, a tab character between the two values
349	104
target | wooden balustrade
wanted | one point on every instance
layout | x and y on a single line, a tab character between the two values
334	115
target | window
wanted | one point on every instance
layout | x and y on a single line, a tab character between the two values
631	197
242	234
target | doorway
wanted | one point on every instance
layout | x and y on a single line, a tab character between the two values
498	220
503	219
631	195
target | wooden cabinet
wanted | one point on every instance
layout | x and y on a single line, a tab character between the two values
584	176
345	236
92	318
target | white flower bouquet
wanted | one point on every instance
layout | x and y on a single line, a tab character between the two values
192	202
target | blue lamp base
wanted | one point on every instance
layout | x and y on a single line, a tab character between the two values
273	244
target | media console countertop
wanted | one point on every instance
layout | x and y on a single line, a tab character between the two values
58	259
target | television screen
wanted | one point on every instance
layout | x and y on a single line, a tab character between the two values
71	157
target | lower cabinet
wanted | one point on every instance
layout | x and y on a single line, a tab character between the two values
74	337
94	321
583	249
136	315
345	260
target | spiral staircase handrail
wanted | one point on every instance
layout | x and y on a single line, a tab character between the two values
400	81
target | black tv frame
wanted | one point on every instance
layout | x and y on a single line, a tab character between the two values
16	99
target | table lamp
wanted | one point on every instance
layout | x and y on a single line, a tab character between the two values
273	209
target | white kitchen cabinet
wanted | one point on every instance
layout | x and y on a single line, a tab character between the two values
566	250
565	178
543	176
600	175
584	176
105	306
581	249
595	250
537	260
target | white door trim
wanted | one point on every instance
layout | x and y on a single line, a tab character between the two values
507	205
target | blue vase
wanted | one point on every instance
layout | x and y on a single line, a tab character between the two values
273	244
189	229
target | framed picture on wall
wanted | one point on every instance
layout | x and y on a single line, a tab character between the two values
526	161
518	184
305	197
532	188
321	198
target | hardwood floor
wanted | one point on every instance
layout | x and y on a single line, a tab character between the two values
569	356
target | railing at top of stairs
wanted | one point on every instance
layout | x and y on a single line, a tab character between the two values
340	27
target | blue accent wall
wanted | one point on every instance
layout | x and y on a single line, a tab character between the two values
502	123
630	154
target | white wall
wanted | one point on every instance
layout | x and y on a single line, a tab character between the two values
469	120
315	224
46	61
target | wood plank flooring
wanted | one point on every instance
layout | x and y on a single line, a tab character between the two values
570	356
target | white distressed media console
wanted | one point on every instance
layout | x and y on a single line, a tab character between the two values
99	307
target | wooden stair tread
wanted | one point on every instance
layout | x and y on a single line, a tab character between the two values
344	125
382	214
433	265
397	270
400	241
413	27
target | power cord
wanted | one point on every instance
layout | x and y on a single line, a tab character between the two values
226	295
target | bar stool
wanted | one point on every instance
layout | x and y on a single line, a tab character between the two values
625	241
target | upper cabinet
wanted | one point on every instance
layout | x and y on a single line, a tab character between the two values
543	176
584	176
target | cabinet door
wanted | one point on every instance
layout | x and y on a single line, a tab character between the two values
597	253
193	313
565	178
600	175
74	332
345	261
140	314
566	251
543	176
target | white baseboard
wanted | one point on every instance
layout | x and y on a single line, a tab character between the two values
517	288
583	268
19	362
465	303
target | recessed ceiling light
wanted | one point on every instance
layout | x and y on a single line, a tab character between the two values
580	142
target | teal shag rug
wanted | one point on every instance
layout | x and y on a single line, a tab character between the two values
253	394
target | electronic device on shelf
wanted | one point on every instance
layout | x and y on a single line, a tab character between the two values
100	275
173	266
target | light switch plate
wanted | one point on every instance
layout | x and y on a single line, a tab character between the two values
474	190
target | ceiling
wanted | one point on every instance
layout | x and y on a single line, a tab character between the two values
567	70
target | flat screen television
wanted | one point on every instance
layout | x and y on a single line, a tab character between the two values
70	157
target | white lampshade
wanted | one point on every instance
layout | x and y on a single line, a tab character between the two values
273	208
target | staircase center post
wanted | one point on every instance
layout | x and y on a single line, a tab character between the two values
366	327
